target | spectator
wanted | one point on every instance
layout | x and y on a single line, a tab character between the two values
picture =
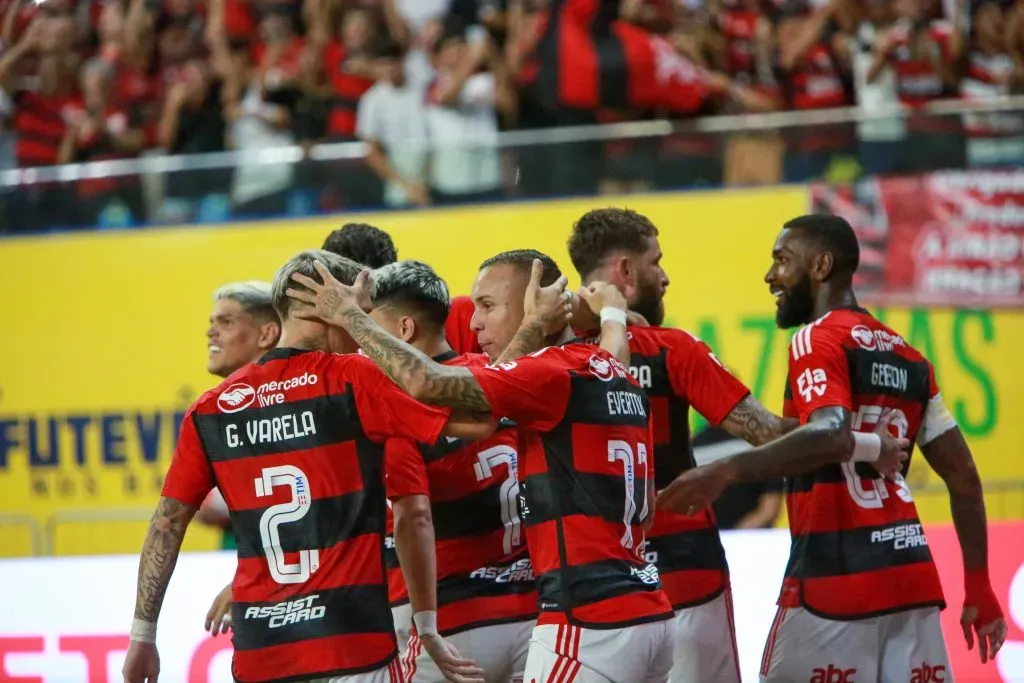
461	118
392	123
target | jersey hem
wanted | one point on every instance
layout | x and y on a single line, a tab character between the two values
610	625
699	601
941	604
402	602
303	678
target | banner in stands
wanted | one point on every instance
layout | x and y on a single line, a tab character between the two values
945	238
52	629
106	343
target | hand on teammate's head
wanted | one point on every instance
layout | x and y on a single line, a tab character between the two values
551	306
599	295
329	299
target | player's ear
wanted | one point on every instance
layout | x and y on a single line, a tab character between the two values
406	328
269	334
822	266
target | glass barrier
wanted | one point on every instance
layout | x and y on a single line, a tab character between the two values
833	145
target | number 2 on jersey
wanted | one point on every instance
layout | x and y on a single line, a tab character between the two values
620	451
282	513
508	494
874	496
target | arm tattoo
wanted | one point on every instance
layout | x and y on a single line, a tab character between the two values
825	439
755	424
159	555
529	338
413	370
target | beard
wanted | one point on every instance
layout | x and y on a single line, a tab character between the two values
797	307
651	305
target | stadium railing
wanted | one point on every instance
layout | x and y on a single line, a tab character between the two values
742	150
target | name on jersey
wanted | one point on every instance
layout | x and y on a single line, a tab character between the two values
890	376
287	613
625	403
271	430
520	570
902	536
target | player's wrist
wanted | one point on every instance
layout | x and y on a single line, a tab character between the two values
867	447
425	622
976	581
143	631
613	314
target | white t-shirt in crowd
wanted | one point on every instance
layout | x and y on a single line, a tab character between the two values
465	139
417	14
396	118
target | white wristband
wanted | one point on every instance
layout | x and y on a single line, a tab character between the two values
425	622
867	446
610	313
143	631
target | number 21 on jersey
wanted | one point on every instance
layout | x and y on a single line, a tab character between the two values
620	451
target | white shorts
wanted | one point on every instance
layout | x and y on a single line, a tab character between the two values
402	616
392	673
635	654
906	646
705	644
500	650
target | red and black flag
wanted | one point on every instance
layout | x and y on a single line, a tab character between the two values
590	59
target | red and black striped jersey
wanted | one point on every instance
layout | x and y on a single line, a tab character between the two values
484	576
679	371
461	336
295	445
584	471
858	548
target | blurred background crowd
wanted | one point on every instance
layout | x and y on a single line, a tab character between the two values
431	85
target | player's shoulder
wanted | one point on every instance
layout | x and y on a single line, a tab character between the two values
235	392
666	337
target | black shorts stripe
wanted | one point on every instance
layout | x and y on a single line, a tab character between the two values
840	553
328	522
701	549
283	428
588	494
333	612
592	582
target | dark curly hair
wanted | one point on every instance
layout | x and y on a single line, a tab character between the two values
600	232
363	243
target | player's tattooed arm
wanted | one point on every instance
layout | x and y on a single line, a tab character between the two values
826	438
755	424
529	338
413	370
159	555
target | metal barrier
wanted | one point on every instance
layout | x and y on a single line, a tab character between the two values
63	518
36	539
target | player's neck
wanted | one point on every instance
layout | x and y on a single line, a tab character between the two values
433	347
831	299
293	339
563	337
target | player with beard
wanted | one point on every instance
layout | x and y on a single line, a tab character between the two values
861	594
584	472
678	371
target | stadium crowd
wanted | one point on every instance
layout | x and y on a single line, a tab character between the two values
430	83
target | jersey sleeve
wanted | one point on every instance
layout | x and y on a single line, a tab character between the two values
819	374
457	328
937	420
698	376
404	468
532	390
385	411
189	477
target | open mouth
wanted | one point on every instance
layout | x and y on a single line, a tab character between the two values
779	293
213	348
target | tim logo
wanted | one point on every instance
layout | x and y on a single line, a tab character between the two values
833	674
811	383
928	674
236	397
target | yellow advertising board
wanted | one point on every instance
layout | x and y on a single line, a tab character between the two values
104	343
